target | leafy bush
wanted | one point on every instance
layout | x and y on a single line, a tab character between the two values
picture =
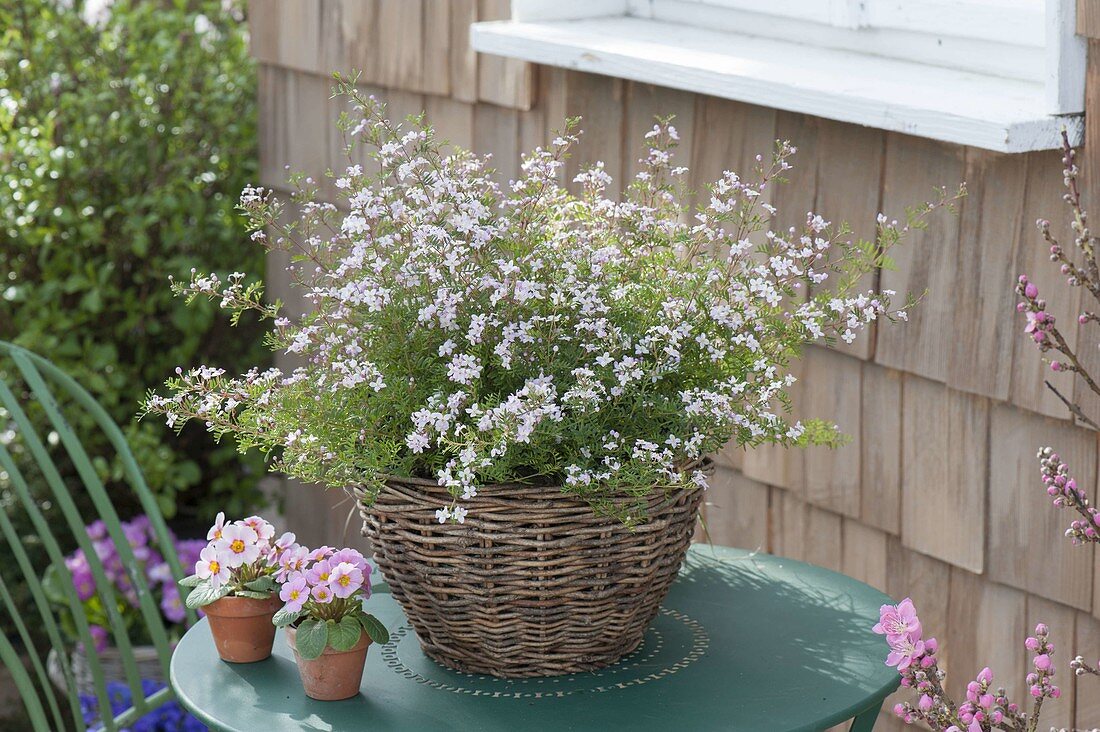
477	333
124	139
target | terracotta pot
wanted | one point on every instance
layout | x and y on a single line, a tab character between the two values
333	675
242	627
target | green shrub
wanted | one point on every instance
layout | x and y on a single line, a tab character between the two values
124	141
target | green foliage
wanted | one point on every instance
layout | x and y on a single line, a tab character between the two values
374	628
123	144
344	633
312	637
204	594
284	617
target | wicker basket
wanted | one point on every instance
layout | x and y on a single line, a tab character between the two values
534	583
146	658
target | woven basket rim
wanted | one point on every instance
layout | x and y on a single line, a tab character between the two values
706	463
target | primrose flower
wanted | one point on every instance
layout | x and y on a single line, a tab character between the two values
352	557
346	579
215	532
291	561
319	573
294	593
212	566
238	545
264	530
322	594
284	542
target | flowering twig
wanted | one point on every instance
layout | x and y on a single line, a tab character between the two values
986	707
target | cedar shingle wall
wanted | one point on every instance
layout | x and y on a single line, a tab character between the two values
938	493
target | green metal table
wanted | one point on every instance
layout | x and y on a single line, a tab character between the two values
744	641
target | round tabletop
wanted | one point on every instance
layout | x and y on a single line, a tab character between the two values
744	641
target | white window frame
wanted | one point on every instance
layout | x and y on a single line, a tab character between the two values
1009	80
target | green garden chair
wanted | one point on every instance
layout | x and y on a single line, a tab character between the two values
29	384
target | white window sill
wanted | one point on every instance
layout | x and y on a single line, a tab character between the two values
943	104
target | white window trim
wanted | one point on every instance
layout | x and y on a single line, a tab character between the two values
992	112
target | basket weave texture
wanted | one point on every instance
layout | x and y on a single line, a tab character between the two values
146	658
534	583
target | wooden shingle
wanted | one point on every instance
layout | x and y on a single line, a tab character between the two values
945	448
1026	546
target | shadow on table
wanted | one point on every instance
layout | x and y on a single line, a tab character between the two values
809	622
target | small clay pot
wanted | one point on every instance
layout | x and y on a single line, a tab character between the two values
333	675
242	628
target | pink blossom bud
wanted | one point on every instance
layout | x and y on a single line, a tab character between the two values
931	645
985	675
1023	279
1036	691
899	709
1082	318
997	716
1031	291
925	703
986	700
1055	692
1041	628
927	662
1032	644
1055	365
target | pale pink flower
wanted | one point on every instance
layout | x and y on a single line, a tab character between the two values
215	532
294	593
263	529
319	573
322	594
238	545
898	620
345	579
212	566
904	650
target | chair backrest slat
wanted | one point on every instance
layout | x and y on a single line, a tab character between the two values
57	557
76	523
130	468
94	486
41	380
36	658
23	684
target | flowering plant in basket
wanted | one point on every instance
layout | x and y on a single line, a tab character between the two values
473	333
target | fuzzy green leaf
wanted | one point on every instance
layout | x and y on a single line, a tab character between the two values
282	617
311	639
263	584
204	594
192	581
253	595
344	634
374	628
